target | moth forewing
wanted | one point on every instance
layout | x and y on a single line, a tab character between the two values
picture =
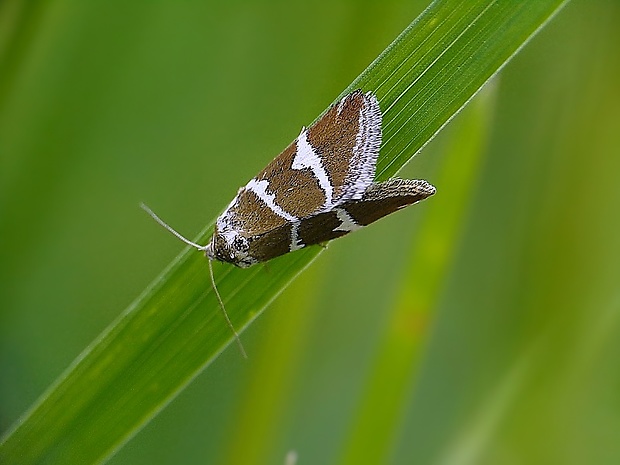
330	163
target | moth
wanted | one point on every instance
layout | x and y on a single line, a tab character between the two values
319	188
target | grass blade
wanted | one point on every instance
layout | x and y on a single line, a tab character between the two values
175	328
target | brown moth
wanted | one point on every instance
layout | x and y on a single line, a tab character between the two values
319	188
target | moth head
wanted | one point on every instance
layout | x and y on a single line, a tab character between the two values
229	246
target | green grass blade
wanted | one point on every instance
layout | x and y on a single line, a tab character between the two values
175	328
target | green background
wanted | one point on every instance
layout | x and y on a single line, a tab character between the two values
104	105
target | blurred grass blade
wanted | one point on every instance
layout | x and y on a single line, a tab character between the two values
470	443
175	328
269	384
388	384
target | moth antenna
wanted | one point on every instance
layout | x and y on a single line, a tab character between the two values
221	302
203	248
169	228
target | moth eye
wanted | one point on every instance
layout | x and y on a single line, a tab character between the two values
239	243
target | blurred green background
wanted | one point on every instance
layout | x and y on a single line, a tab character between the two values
514	357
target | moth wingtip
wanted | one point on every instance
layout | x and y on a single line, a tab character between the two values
425	188
368	95
428	188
